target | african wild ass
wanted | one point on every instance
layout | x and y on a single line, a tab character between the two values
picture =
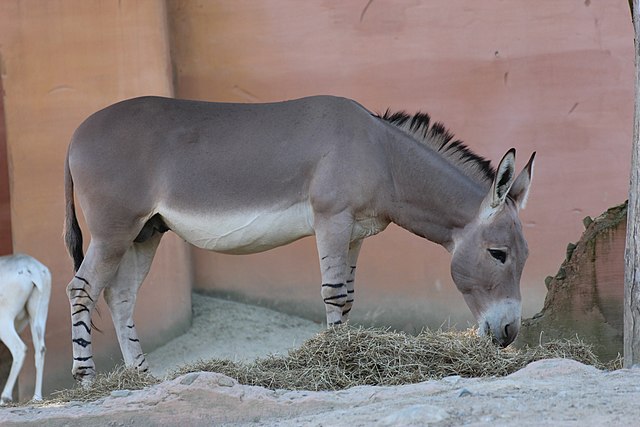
245	178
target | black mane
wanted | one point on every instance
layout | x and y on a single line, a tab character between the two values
436	136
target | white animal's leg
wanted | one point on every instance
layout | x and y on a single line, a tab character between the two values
121	298
38	307
333	234
18	349
354	251
96	272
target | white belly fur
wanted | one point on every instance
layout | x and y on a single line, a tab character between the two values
243	232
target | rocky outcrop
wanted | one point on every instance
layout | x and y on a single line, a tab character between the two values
586	296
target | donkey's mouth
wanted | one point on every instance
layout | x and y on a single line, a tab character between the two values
504	338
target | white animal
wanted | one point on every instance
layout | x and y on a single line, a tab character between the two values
25	287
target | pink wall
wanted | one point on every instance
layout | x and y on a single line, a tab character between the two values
60	62
554	77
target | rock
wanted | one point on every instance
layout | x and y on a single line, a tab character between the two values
586	297
464	392
120	393
189	378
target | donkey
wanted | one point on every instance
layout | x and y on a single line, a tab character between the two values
245	178
25	287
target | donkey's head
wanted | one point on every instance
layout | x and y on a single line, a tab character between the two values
490	252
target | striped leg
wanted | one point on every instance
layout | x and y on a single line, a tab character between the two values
121	299
332	238
96	271
354	250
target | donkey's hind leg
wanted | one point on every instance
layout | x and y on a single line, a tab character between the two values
96	272
121	298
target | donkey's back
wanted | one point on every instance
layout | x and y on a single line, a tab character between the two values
245	173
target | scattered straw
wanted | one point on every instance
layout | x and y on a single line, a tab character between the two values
348	356
121	378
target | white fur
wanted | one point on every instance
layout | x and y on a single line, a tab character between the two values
25	288
241	232
499	314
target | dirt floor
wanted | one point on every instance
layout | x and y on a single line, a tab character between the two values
545	393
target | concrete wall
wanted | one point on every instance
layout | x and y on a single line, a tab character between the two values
61	61
554	77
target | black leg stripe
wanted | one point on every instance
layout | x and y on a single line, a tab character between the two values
141	362
82	290
83	279
81	323
81	342
333	285
349	301
134	340
346	311
131	326
351	291
334	304
83	359
350	281
335	297
80	311
339	322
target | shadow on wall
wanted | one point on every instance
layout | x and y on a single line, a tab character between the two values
586	296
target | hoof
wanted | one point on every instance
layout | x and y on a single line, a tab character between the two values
84	379
5	400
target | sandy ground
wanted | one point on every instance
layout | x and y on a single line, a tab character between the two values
545	393
230	330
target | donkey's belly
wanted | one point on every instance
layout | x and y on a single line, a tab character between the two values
242	232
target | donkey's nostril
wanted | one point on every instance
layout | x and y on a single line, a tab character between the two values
510	334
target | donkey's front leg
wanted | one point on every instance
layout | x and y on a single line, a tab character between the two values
332	238
354	250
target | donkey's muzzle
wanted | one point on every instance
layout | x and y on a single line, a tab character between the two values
506	336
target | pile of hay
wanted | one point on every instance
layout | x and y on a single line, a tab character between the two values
347	356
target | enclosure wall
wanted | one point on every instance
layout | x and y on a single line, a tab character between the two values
61	61
547	76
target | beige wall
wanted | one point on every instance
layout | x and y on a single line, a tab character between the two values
554	77
61	61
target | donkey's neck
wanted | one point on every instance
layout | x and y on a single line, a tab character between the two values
431	197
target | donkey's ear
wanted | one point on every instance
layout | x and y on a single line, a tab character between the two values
501	185
519	191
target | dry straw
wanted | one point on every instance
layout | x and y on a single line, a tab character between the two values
349	356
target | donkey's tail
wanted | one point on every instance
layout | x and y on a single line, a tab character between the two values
72	232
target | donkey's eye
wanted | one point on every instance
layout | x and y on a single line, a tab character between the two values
499	254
